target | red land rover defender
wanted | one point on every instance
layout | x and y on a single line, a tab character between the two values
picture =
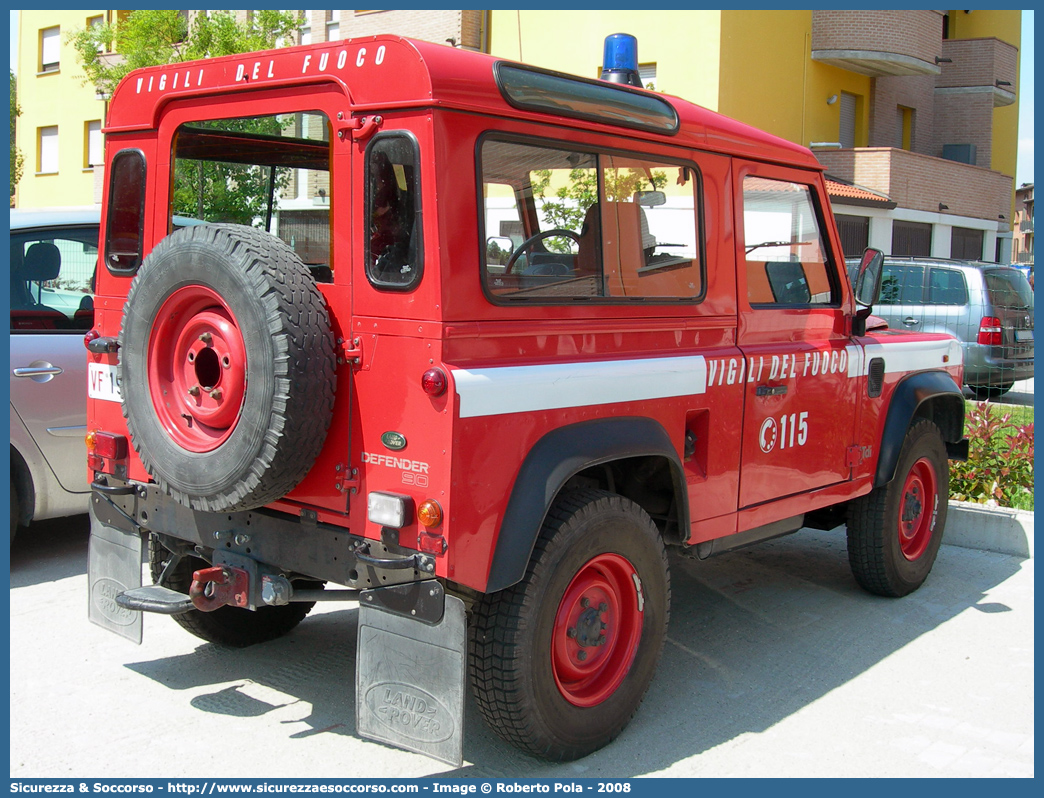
508	335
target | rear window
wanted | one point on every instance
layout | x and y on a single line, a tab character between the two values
270	172
1009	289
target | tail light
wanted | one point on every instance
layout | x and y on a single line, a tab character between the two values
990	331
105	451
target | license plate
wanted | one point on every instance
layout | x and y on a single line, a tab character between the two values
102	382
1024	335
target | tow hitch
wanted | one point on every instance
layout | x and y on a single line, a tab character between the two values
217	586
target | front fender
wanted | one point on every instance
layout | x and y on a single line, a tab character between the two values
931	394
553	460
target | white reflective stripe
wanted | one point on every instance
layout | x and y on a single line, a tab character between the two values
914	355
525	389
855	360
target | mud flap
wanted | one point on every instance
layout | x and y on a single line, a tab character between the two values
409	676
113	566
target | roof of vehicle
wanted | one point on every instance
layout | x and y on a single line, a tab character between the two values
917	259
387	72
51	217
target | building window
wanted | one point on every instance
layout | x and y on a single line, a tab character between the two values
47	150
855	234
333	25
97	22
911	239
966	243
50	44
904	128
306	27
847	126
93	149
647	73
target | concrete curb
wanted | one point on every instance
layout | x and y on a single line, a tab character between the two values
999	529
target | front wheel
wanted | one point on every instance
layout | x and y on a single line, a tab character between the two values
560	661
895	531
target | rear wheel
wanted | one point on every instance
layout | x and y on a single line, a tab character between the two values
560	661
984	392
15	512
230	626
894	533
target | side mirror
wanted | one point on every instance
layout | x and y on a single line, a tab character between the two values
868	281
867	287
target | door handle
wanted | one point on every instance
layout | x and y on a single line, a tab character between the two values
38	371
911	320
771	390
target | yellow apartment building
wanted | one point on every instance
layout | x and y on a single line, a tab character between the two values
59	131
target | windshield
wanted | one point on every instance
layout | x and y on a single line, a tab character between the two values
1009	288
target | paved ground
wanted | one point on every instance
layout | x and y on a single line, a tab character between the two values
776	665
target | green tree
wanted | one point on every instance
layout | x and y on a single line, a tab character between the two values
209	190
155	37
571	200
16	156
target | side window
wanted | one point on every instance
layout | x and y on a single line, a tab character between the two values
394	254
52	280
125	228
564	225
785	256
947	287
902	285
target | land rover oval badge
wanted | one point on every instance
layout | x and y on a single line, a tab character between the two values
394	440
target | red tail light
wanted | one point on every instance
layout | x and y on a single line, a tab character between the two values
104	450
990	331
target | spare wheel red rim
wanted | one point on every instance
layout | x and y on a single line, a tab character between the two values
597	630
918	508
197	365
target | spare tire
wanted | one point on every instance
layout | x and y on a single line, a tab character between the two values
227	367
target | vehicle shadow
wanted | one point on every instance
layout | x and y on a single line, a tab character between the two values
46	551
755	636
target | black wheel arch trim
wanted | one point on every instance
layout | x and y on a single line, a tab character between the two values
908	402
553	461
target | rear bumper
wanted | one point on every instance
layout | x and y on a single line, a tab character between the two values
986	365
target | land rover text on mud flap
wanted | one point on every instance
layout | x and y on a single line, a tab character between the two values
476	342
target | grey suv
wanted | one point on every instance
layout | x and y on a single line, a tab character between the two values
985	306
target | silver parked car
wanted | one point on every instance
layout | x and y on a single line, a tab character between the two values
53	257
54	254
986	306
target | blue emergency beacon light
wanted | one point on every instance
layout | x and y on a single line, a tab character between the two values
620	60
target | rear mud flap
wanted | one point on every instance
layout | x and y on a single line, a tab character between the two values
113	566
410	670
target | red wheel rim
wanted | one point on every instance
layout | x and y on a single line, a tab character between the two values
917	509
197	369
602	603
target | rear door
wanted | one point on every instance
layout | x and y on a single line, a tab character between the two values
799	401
1011	300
